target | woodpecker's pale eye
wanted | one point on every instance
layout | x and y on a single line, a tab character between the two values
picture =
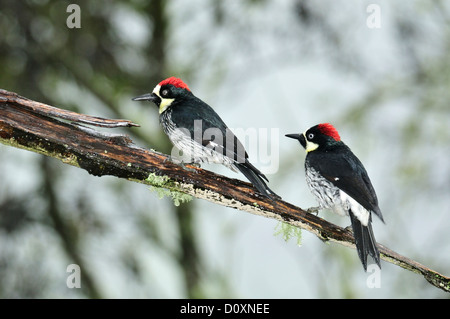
165	93
310	136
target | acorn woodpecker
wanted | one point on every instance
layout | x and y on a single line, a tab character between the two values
339	181
198	131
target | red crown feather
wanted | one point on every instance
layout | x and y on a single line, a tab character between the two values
175	82
329	130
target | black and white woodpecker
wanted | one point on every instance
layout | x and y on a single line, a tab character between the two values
339	181
199	132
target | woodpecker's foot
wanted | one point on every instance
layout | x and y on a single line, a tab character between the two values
313	210
181	163
349	228
174	160
192	170
171	159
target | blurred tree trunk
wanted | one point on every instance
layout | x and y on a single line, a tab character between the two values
68	233
93	47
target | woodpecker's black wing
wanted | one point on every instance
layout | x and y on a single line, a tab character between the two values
342	168
209	130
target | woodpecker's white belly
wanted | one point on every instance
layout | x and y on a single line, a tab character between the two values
193	152
330	196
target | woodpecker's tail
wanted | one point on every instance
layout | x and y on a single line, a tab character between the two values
364	240
256	178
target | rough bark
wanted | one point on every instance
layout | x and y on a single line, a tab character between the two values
38	127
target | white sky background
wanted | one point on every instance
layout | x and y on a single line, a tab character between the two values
261	69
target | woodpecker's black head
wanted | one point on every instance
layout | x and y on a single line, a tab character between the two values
167	93
321	136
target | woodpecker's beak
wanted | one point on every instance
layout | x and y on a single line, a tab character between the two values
152	97
299	137
295	136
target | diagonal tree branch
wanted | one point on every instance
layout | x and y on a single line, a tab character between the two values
30	125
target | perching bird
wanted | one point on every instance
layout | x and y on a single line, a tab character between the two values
196	129
339	181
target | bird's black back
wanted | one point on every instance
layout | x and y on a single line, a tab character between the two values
193	109
344	170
